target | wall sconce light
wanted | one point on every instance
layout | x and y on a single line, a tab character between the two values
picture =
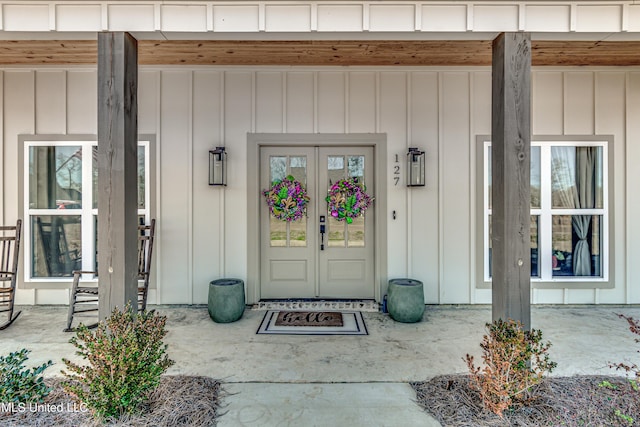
218	166
415	168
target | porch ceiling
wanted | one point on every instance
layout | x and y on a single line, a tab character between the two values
322	52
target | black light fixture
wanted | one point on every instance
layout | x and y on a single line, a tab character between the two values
218	166
415	168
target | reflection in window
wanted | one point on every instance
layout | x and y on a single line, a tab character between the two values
56	245
55	177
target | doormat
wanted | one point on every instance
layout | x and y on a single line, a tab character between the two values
313	323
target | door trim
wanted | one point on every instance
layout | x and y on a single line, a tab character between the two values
257	140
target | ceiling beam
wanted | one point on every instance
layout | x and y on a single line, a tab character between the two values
322	52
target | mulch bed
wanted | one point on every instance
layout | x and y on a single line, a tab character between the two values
178	401
563	401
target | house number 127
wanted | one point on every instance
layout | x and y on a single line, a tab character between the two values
396	172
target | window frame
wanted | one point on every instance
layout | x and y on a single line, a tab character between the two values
87	212
546	280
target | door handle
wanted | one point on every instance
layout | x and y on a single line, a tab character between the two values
322	231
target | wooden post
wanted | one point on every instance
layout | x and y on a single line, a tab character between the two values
117	171
510	165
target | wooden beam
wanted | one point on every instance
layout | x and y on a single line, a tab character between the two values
117	171
510	167
322	52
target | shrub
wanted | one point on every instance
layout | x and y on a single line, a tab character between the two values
126	358
634	327
19	384
515	360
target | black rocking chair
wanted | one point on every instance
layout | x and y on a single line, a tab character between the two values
9	251
83	300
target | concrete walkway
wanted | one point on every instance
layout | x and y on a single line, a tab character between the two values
283	380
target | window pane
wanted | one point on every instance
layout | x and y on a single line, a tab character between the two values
535	241
141	175
55	177
534	230
55	245
489	178
577	245
94	177
576	177
535	177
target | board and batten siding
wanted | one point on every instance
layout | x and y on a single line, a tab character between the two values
202	232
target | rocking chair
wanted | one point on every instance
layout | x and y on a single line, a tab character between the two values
9	251
83	300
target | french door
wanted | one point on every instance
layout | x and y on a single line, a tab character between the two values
317	256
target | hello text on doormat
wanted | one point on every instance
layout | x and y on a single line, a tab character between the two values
309	318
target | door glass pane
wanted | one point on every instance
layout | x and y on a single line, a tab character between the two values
285	233
277	168
55	177
298	233
577	245
277	232
335	168
298	169
336	233
56	245
355	231
356	167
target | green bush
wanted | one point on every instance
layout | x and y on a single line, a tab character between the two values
515	360
19	384
126	358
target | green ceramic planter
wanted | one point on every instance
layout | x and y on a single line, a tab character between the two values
405	300
226	300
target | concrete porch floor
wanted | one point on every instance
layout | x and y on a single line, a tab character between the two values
341	380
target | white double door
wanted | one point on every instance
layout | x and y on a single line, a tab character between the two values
317	256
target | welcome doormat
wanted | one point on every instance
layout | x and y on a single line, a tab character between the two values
313	323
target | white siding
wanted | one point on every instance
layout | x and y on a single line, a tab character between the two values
202	230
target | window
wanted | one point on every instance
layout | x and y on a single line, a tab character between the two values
570	212
61	201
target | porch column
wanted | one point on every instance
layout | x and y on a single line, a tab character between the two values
510	165
117	171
